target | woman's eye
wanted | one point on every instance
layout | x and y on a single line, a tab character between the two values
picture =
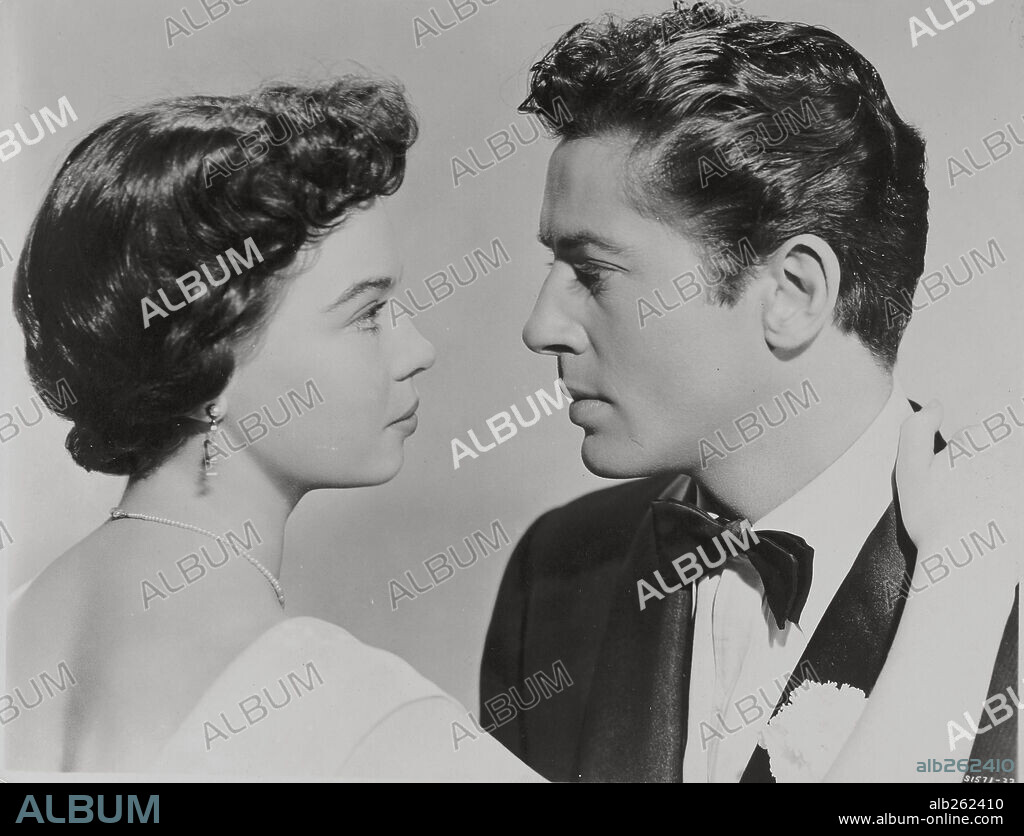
368	321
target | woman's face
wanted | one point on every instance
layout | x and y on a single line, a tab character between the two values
327	397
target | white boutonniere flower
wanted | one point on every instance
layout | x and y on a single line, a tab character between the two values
804	738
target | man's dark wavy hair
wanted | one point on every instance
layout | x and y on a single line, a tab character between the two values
140	202
697	80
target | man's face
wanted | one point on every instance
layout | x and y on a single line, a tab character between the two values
643	396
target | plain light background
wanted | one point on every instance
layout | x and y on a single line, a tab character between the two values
344	546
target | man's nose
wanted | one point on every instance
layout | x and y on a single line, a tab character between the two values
551	328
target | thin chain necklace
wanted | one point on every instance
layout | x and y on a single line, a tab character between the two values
118	514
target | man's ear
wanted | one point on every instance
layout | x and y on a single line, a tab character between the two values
801	297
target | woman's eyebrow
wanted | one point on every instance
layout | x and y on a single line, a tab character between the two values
385	283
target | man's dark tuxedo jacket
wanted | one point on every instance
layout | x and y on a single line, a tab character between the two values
554	603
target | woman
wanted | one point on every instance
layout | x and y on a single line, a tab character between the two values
195	263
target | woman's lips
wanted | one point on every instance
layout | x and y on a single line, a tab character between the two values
408	415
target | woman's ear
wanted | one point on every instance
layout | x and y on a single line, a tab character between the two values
801	300
216	408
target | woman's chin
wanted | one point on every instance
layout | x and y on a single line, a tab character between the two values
338	468
381	472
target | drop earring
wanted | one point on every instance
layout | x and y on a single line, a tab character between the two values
214	416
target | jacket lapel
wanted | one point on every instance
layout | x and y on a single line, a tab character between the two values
853	638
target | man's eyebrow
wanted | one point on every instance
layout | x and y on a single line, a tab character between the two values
385	283
576	240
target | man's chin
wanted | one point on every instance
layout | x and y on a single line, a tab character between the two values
612	459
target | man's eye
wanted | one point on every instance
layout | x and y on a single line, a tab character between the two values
368	321
590	277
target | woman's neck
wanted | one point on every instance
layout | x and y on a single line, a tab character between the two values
240	498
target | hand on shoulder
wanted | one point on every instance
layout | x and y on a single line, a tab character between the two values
952	498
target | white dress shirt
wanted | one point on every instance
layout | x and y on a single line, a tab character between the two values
741	659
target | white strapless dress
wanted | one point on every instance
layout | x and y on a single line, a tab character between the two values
309	700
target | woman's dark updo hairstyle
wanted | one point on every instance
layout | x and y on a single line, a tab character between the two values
146	198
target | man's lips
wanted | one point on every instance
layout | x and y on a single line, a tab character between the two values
578	394
586	411
586	405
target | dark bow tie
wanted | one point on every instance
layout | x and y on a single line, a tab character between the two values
697	545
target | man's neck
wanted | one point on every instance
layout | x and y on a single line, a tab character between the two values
760	476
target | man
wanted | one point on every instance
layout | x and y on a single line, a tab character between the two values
733	209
